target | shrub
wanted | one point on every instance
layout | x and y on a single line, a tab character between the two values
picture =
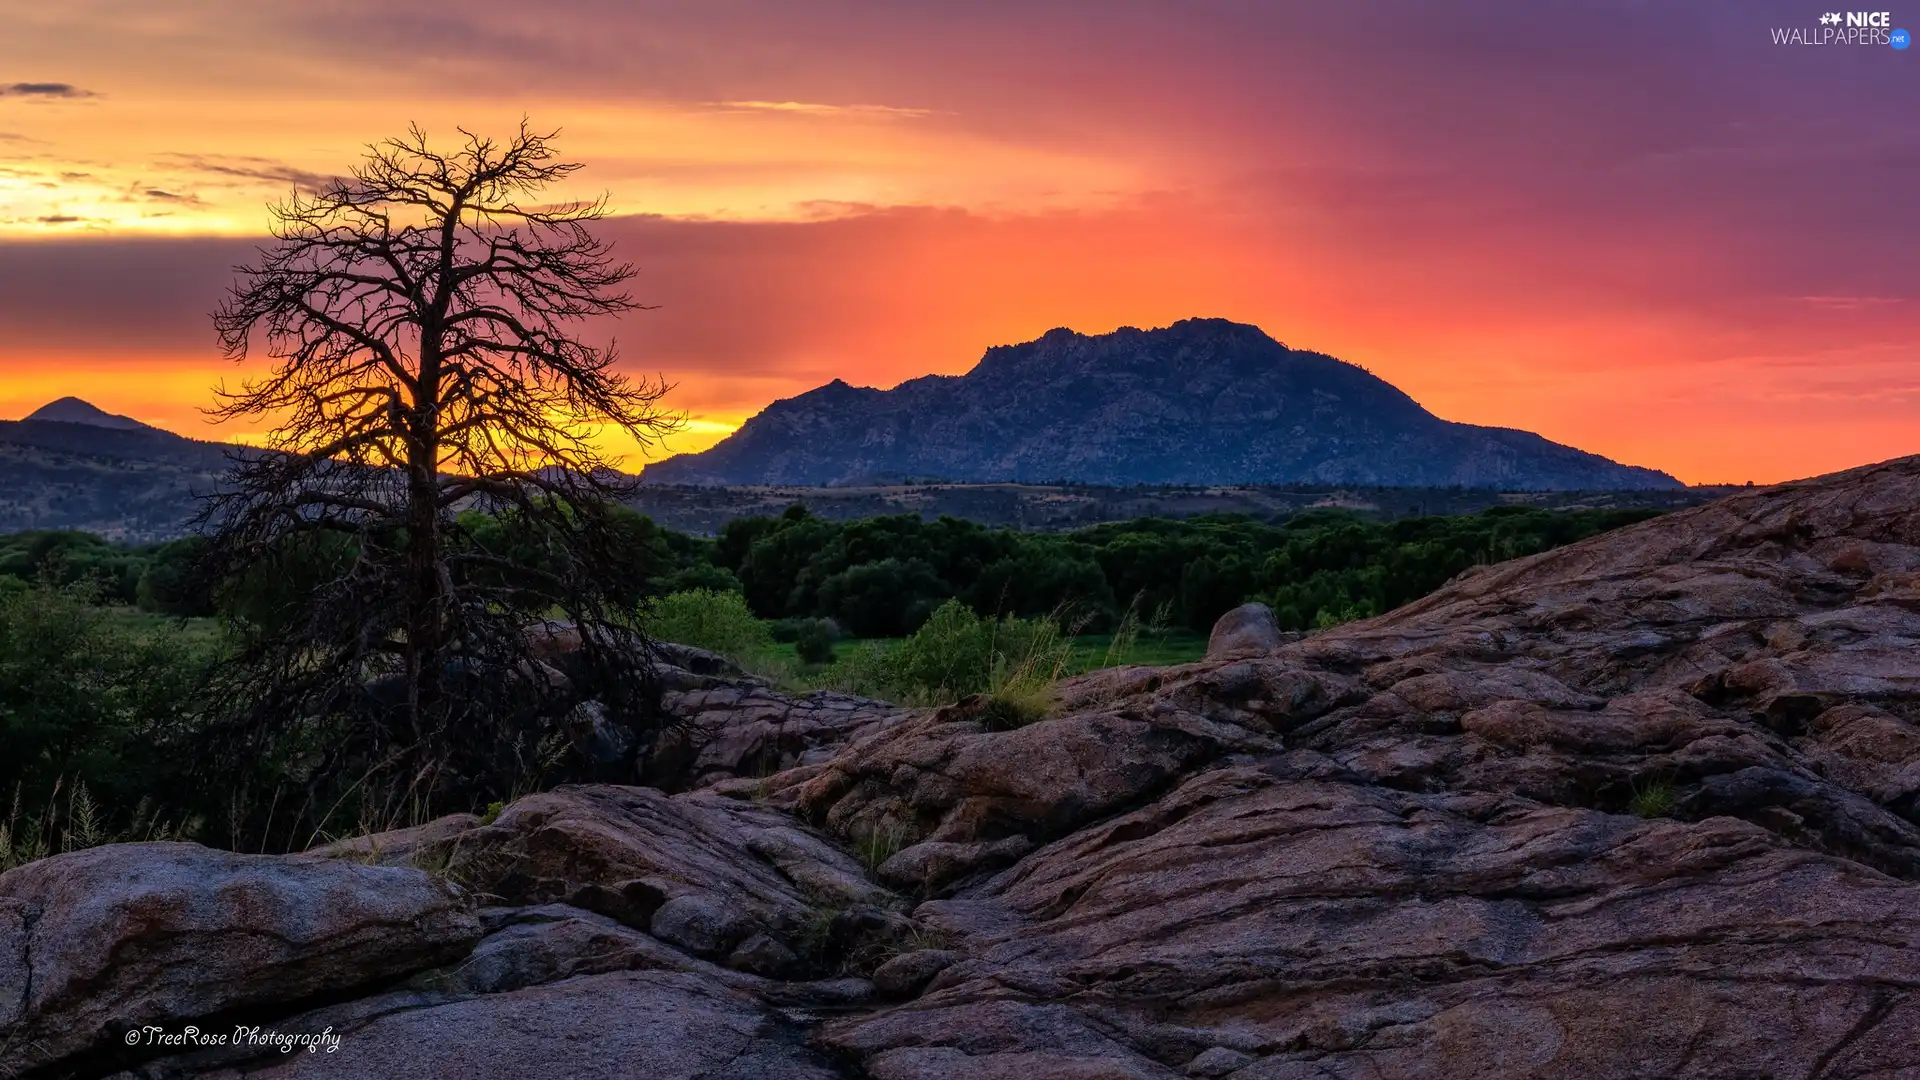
717	621
1017	704
814	641
1015	662
1027	665
1326	619
83	702
950	656
865	669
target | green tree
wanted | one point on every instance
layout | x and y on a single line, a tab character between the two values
1044	578
171	582
888	598
85	701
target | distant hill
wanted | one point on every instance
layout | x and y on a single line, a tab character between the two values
70	465
71	410
1204	401
132	482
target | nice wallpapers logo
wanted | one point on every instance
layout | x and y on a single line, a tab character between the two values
1846	28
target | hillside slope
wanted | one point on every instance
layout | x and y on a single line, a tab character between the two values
133	484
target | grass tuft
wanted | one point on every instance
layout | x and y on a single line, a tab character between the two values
1655	799
882	842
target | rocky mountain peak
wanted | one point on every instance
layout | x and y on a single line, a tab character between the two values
1203	401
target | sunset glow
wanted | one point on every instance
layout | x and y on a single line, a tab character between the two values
1646	232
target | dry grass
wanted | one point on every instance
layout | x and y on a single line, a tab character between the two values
74	824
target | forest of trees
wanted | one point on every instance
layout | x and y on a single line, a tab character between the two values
882	577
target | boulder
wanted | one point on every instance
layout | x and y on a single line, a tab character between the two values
697	661
1332	929
947	777
729	729
702	924
542	944
909	973
764	955
700	872
552	638
930	866
1248	630
14	981
416	845
112	938
596	737
726	724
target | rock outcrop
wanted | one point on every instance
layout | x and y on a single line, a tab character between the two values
735	729
1642	806
1637	807
723	724
98	943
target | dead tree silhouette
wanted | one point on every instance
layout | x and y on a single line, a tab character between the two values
431	484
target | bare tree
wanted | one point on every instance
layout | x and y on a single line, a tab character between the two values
431	484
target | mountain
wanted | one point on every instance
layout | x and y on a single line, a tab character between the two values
1204	401
71	410
70	465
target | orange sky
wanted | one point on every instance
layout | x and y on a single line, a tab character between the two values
1645	231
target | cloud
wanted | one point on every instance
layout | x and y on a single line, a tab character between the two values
45	90
814	108
58	219
1850	303
168	196
247	168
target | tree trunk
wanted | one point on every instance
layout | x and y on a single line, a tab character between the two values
426	614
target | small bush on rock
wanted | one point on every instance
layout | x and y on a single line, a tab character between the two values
1653	800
